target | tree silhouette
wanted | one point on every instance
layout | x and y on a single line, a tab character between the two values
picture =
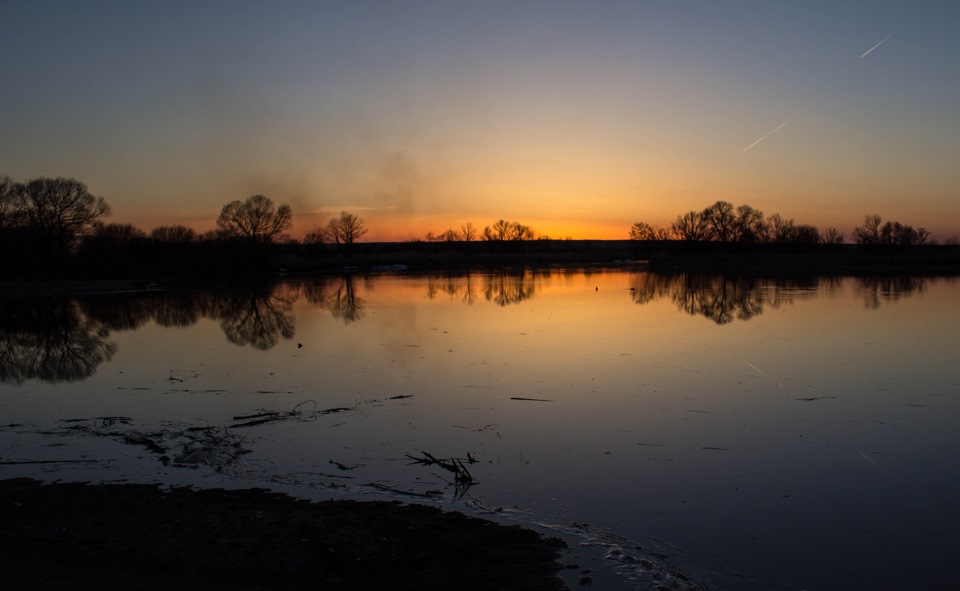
807	234
781	231
255	220
502	230
178	233
875	232
7	206
61	210
468	233
344	231
691	226
749	225
831	235
644	231
721	221
869	232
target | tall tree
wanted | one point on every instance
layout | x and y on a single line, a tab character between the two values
781	231
255	220
749	225
869	233
721	221
61	210
467	232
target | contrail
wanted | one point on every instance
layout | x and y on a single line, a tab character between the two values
775	130
867	52
871	460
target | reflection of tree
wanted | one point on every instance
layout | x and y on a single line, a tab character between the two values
647	287
51	341
118	313
344	302
257	318
508	288
876	290
720	298
456	286
336	295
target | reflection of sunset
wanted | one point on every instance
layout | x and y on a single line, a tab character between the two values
633	401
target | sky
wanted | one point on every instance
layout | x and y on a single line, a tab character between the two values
575	118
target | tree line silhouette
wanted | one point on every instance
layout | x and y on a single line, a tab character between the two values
56	226
723	222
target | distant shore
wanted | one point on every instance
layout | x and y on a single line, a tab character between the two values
218	262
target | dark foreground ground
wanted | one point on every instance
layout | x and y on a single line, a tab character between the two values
79	536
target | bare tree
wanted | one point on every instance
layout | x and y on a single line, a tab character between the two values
831	235
345	230
691	226
7	207
315	237
807	234
644	231
468	233
177	233
522	232
500	230
721	221
61	209
869	233
890	232
749	225
504	230
255	220
780	230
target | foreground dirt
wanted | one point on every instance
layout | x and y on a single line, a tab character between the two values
79	536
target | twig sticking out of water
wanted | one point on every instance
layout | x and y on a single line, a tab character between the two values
462	476
269	416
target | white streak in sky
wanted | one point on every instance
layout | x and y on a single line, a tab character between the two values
867	52
775	130
871	460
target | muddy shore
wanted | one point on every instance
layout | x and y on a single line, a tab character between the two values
125	536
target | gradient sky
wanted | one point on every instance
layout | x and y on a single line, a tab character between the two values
577	118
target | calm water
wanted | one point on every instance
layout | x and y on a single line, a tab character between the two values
757	434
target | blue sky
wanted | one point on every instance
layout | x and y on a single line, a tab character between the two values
578	118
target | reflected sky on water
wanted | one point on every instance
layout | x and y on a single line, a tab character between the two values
790	433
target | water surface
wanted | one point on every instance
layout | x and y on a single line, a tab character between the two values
758	434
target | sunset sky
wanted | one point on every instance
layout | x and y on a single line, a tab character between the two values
576	118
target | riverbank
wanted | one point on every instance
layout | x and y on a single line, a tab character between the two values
83	536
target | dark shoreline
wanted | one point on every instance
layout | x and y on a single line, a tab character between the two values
227	262
124	536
